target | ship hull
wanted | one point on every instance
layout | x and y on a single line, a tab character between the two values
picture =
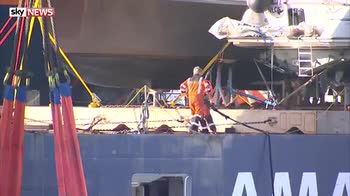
156	42
218	165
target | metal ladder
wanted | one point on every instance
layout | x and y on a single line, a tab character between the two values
305	63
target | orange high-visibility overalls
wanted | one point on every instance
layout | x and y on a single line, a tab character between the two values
195	89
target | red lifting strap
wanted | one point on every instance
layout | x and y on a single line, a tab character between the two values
69	167
11	141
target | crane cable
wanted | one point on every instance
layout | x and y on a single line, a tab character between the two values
30	31
96	101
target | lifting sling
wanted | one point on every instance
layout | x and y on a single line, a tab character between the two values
12	118
69	168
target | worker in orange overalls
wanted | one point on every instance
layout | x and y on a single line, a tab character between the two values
198	92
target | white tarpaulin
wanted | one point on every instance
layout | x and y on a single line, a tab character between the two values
227	27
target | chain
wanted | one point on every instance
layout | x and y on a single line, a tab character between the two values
105	123
48	122
107	131
120	106
100	120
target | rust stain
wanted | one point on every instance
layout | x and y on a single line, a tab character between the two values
8	2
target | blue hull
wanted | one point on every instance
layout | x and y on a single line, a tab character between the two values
216	164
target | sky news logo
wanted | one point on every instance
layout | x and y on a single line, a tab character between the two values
31	12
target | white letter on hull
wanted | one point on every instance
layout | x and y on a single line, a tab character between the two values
343	182
308	184
244	180
282	184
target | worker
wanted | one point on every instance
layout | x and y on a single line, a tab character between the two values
198	91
